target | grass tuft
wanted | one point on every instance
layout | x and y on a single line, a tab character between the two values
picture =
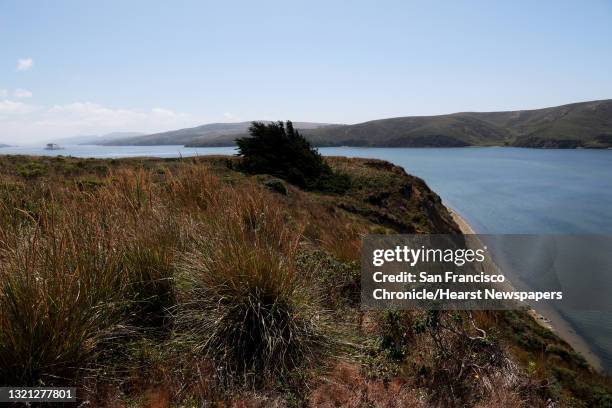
242	302
58	299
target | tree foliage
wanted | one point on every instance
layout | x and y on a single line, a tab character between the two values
279	150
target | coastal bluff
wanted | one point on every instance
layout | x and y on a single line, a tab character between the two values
147	260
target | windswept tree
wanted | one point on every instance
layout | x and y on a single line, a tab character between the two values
279	150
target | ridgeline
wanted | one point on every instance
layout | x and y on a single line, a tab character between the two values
577	125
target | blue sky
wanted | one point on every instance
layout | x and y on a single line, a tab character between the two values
87	67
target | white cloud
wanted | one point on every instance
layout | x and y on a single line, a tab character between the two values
10	107
162	113
24	64
3	93
82	118
22	93
89	111
95	114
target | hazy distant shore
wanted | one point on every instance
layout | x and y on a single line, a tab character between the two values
546	316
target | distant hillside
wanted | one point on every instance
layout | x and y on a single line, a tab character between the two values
586	124
213	134
95	139
454	130
442	131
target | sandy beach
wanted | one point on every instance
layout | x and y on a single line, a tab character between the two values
546	316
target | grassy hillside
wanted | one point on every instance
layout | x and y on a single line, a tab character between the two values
182	136
437	131
586	124
95	139
217	134
151	282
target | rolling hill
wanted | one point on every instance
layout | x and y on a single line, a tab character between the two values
215	134
584	124
95	139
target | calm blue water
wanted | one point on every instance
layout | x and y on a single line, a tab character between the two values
497	190
511	190
107	152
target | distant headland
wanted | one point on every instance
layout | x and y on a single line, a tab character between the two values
577	125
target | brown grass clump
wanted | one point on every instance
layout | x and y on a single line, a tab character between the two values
242	302
59	296
192	187
81	270
346	386
341	240
89	278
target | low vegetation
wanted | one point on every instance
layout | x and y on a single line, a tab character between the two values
150	282
244	304
279	150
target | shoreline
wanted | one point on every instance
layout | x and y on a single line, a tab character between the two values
546	316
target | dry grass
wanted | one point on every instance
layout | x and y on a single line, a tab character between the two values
346	386
242	302
169	282
59	297
90	269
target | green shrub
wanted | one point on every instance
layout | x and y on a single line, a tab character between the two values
340	281
31	170
378	362
88	185
279	150
335	183
277	186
